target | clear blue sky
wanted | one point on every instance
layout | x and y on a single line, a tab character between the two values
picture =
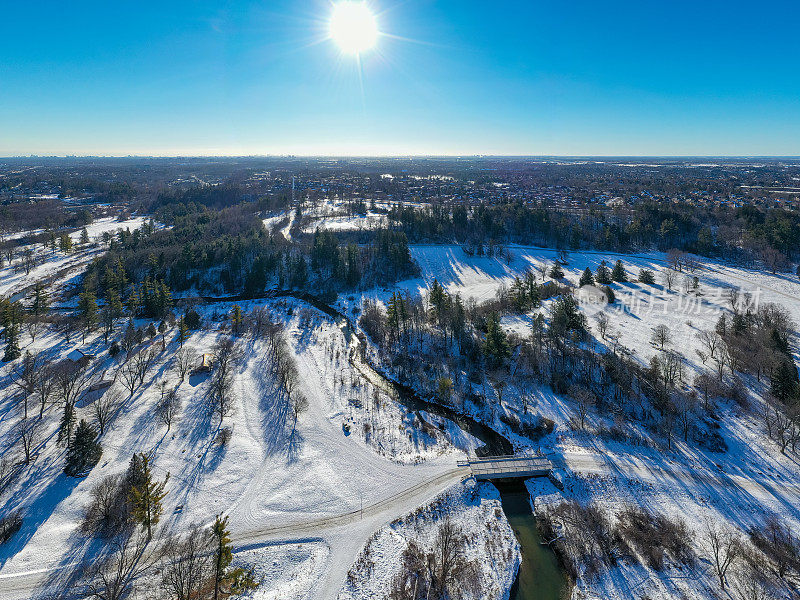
491	77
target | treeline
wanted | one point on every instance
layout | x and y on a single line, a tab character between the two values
229	252
42	214
772	235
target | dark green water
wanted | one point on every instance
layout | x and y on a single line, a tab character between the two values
540	577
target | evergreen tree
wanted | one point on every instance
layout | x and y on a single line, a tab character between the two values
183	331
565	316
784	382
110	312
722	325
41	300
519	295
87	308
587	278
13	351
647	277
437	298
610	296
192	319
237	318
65	243
603	274
495	346
84	236
84	452
618	273
222	552
556	272
146	496
66	425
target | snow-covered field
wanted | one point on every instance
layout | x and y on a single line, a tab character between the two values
269	485
14	279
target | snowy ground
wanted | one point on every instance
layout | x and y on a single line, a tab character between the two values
271	488
475	509
51	263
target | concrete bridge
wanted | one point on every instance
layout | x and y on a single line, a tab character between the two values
508	467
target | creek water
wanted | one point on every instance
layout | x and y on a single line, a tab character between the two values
539	577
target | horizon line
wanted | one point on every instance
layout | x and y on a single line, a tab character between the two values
411	155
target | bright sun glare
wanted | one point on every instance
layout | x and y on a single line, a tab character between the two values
353	27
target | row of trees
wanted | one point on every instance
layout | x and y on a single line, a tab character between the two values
766	234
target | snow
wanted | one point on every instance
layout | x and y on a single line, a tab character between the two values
54	263
269	489
476	510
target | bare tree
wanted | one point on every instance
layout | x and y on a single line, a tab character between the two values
186	566
34	325
446	566
168	407
669	276
299	405
71	380
226	356
104	408
45	384
584	399
184	359
28	432
711	341
112	578
134	371
724	547
661	336
25	375
602	324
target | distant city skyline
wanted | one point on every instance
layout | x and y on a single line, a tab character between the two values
445	78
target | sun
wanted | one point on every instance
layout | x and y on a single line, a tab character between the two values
353	27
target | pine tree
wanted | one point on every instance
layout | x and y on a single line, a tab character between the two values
587	278
647	277
237	318
84	236
618	273
41	300
84	452
519	295
87	307
603	274
146	497
436	296
222	552
66	425
784	382
556	272
65	243
13	351
495	346
610	296
183	331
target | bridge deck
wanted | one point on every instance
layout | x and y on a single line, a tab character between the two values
500	467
